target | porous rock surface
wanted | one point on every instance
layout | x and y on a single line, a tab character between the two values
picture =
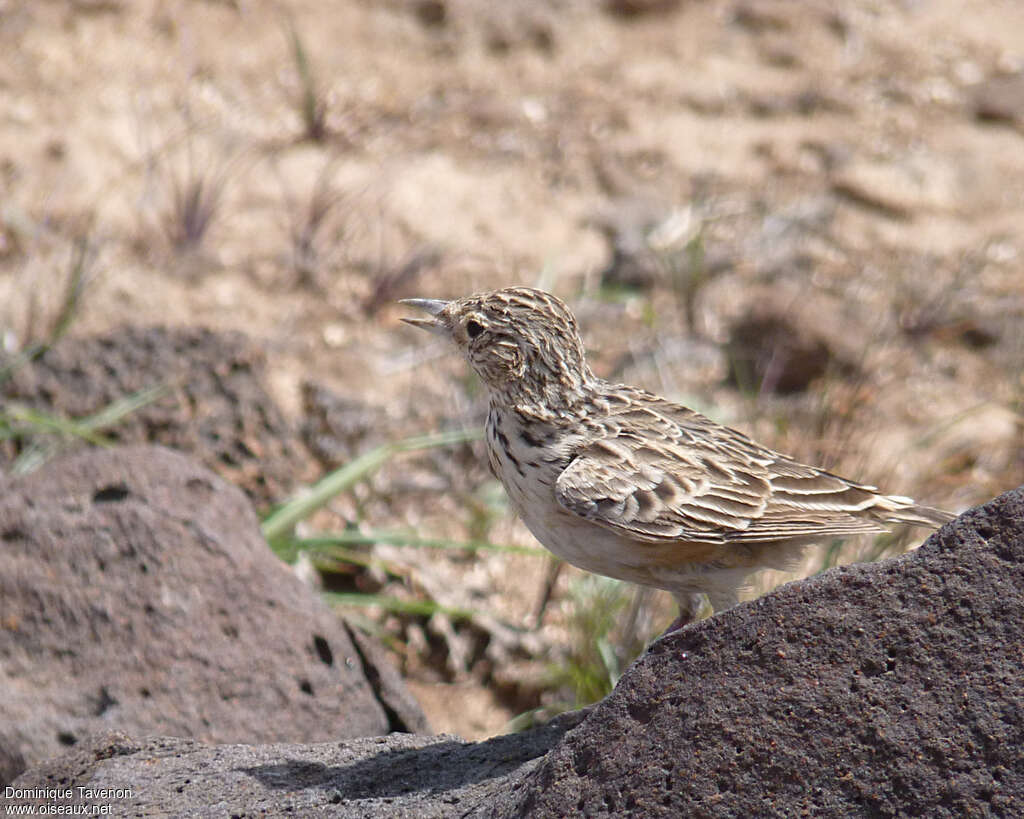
879	689
402	775
876	690
214	405
137	594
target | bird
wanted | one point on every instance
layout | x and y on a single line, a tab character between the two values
624	483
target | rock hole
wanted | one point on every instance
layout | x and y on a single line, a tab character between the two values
582	758
199	485
66	738
640	712
111	494
985	529
871	667
306	687
323	650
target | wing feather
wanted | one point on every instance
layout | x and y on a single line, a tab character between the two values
663	473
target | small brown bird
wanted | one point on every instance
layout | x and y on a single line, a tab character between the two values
626	484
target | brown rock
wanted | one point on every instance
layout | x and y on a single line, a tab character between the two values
137	593
637	8
216	406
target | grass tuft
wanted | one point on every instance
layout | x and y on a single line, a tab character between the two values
600	652
195	200
41	333
307	224
41	435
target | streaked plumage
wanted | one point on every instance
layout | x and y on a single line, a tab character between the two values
624	483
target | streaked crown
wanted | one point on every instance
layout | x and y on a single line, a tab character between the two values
523	343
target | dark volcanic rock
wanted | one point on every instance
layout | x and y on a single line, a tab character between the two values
879	690
137	594
872	690
216	407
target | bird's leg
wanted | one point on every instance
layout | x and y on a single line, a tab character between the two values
689	607
554	569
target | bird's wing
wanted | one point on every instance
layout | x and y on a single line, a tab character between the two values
660	472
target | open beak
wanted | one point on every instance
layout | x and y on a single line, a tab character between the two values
431	306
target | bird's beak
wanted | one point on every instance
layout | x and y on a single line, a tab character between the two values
432	306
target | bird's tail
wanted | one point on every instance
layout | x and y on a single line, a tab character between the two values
897	509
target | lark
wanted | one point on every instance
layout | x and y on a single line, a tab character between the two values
627	484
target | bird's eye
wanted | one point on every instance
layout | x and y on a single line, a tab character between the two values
474	328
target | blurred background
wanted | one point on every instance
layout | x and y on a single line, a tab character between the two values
802	219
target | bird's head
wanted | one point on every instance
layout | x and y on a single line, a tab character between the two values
523	343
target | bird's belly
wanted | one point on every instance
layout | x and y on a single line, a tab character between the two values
529	474
601	551
677	568
577	542
571	538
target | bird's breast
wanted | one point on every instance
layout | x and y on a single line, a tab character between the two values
528	458
525	457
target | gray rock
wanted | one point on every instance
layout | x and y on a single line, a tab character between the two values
137	594
401	775
875	690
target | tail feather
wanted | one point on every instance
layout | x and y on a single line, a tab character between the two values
897	509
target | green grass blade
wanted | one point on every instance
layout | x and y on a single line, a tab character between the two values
27	422
44	431
353	538
397	605
118	410
283	519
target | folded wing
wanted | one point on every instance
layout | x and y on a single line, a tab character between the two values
663	473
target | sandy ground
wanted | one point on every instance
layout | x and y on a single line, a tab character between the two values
852	173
